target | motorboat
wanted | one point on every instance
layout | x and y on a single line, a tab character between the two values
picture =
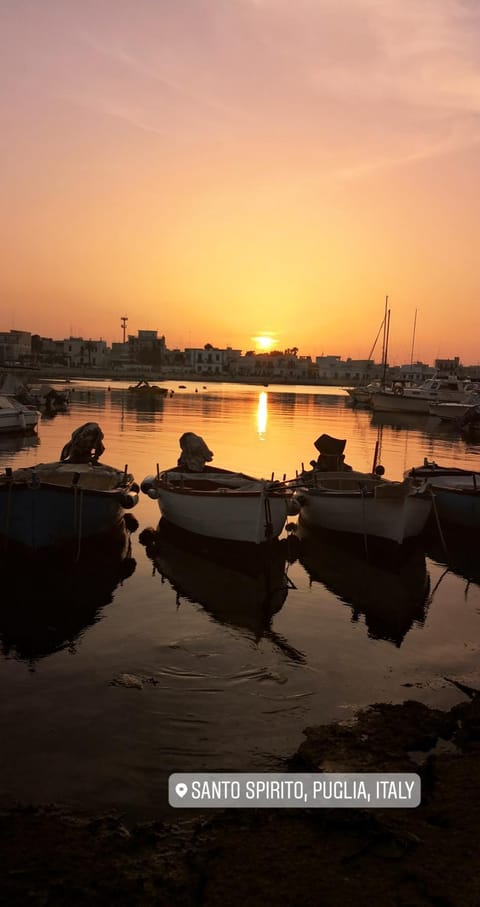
57	506
15	417
45	397
441	388
362	395
217	503
454	412
334	497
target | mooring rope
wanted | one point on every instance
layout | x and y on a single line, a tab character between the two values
437	519
79	527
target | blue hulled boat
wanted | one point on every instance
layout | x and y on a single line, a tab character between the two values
456	493
55	506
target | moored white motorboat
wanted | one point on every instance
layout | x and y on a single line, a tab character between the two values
439	389
453	412
49	506
217	503
15	418
362	395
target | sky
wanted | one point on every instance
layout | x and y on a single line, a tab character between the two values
218	170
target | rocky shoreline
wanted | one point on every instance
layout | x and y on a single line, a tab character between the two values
401	857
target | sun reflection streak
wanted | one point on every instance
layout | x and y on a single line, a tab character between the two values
262	414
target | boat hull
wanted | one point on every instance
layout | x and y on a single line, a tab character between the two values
36	515
456	494
393	519
397	403
18	421
458	507
236	516
449	412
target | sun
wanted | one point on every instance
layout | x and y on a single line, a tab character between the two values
264	342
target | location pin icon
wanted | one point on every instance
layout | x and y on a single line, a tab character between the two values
181	789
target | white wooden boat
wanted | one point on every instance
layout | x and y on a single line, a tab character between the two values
56	506
334	497
15	418
219	503
364	505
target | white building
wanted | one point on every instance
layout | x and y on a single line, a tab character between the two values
90	353
335	370
211	360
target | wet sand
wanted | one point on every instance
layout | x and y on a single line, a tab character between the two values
403	857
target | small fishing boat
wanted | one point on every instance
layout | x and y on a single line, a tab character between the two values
45	397
144	389
54	506
217	503
333	496
455	492
15	417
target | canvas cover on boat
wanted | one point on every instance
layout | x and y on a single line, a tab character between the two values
85	445
333	447
195	452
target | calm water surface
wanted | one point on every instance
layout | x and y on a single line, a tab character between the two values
223	686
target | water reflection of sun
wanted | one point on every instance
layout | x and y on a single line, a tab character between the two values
262	414
264	342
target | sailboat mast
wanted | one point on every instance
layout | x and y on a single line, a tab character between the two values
386	331
413	337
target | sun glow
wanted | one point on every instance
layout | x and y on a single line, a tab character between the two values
264	342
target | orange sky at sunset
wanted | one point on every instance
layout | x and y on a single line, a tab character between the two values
221	169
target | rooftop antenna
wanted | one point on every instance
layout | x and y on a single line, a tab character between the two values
124	320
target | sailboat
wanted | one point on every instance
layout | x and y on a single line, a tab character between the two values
362	394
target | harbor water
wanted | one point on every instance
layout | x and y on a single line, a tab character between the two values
142	666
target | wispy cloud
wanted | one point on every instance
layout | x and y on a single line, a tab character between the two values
183	91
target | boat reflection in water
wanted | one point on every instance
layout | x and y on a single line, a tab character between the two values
457	551
46	610
392	592
242	585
